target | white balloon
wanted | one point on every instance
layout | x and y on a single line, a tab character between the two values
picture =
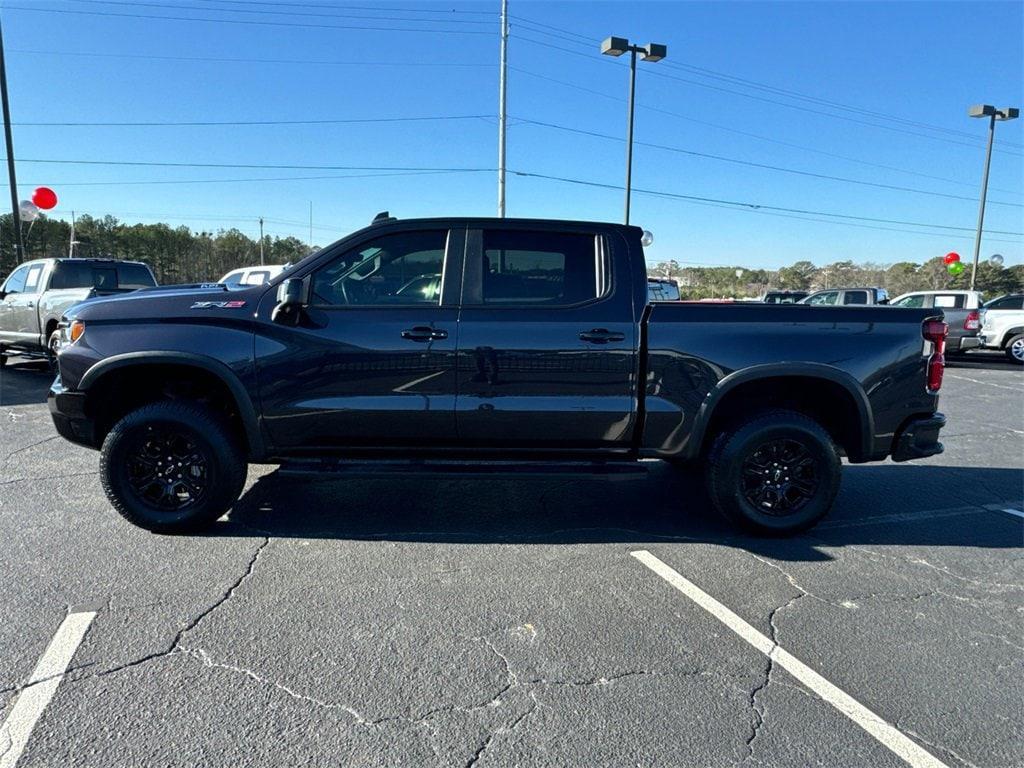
646	238
29	211
996	260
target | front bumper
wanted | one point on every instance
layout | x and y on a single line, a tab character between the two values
919	439
67	409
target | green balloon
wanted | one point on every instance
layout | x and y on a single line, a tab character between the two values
955	268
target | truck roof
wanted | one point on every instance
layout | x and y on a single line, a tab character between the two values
493	220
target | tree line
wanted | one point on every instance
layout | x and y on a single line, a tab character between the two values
175	254
898	278
180	255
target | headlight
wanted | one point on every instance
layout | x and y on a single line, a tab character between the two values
76	330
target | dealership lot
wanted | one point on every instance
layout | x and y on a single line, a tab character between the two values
440	620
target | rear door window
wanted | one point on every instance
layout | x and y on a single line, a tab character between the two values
950	300
855	297
35	272
540	268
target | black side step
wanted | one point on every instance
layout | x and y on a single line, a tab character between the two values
609	470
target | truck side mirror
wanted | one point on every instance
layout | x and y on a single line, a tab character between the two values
292	296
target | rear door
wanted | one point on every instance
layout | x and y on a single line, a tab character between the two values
547	340
369	365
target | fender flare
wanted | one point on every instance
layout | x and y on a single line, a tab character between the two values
786	370
246	410
1009	333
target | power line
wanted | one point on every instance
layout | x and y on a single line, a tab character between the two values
752	164
755	206
304	62
729	129
257	179
206	123
903	131
590	42
139	3
249	22
258	166
355	7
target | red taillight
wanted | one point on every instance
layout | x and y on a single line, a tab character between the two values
936	367
973	321
935	331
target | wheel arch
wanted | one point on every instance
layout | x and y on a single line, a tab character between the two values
1009	333
853	428
97	375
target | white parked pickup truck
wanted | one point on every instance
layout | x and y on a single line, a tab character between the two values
1002	326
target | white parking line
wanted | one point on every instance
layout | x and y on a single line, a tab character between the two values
886	734
36	694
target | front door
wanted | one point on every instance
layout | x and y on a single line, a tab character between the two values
547	341
372	361
19	313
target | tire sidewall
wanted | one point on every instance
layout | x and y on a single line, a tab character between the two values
1009	349
210	437
729	468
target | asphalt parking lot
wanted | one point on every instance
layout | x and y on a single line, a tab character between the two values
509	622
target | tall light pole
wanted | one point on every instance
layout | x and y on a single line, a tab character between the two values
19	242
502	115
616	46
261	241
993	114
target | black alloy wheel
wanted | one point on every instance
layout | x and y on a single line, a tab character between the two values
167	470
780	477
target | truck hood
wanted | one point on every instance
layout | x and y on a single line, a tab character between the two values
169	301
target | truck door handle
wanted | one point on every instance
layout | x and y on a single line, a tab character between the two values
601	336
422	333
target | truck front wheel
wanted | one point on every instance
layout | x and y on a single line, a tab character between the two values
776	474
172	467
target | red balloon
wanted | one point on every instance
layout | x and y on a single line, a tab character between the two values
44	198
949	258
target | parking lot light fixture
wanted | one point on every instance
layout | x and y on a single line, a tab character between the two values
652	52
993	114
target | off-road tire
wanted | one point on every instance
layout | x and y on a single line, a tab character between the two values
738	447
208	447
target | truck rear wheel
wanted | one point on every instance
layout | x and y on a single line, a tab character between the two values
776	474
172	467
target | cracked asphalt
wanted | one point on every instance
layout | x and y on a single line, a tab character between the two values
447	621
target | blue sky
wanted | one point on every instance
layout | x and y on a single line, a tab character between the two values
796	86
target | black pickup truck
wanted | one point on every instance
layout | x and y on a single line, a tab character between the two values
496	341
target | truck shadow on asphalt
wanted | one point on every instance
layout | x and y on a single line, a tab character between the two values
906	505
24	382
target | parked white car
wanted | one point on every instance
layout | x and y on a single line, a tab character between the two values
252	275
1002	326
